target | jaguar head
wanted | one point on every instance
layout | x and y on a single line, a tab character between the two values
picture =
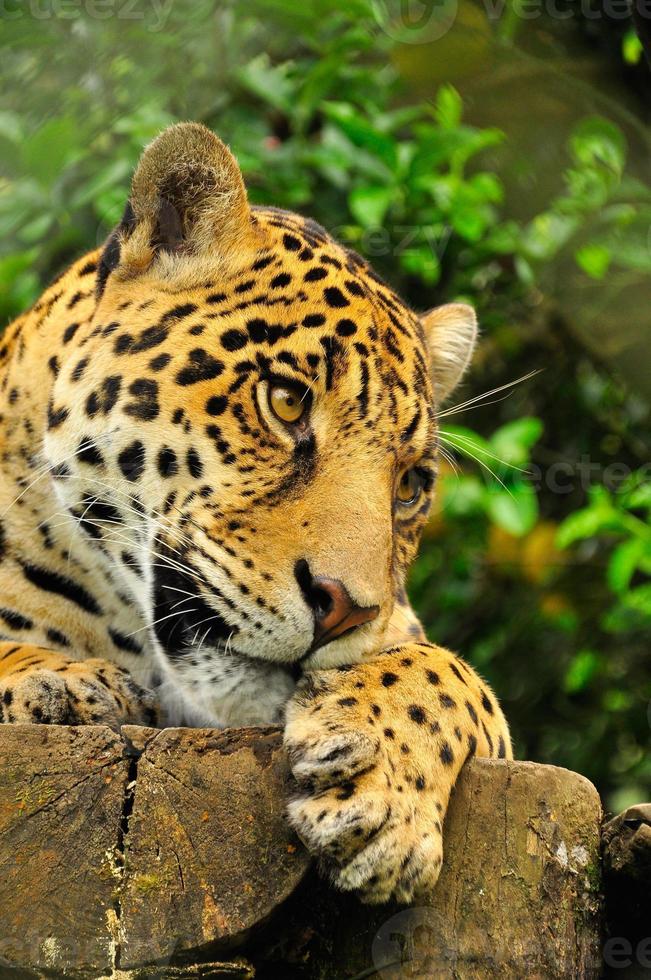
262	409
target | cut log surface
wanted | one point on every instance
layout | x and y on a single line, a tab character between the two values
519	894
627	876
61	801
209	854
164	855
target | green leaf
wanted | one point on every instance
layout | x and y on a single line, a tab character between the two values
488	186
515	510
448	107
623	562
462	496
588	522
142	125
547	234
36	229
639	600
19	284
469	222
113	174
632	49
271	83
12	265
616	700
525	271
633	611
594	260
11	126
361	131
48	151
640	496
580	672
421	262
588	190
20	203
596	141
369	205
512	442
109	205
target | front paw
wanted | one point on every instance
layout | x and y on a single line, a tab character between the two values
363	805
56	690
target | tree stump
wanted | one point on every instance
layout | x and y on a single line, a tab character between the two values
627	880
165	854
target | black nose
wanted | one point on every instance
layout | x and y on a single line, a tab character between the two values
333	609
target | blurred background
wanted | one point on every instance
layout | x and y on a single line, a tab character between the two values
489	150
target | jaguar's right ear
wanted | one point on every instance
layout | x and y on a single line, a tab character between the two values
187	198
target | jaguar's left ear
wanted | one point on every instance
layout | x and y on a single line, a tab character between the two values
450	335
187	200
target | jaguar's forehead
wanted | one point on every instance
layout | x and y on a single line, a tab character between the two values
338	276
298	302
258	287
326	289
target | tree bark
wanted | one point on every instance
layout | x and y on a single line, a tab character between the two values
166	855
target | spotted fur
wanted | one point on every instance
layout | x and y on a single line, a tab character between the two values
163	530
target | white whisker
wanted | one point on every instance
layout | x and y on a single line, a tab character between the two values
486	467
203	639
449	459
45	470
161	620
451	436
453	409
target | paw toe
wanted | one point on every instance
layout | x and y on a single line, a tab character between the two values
394	866
38	698
333	829
333	757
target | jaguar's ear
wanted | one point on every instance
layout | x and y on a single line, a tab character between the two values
187	198
450	335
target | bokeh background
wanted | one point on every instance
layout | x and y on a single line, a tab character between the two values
489	150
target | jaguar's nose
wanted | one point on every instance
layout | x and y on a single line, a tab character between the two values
334	611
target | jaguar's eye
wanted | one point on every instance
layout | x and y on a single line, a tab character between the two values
410	486
287	403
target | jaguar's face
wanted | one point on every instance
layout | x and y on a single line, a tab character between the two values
261	412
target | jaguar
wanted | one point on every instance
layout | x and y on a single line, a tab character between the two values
219	449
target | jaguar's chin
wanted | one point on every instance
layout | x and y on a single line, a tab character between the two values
219	688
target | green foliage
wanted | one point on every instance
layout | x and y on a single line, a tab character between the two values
632	50
623	517
546	591
602	217
506	498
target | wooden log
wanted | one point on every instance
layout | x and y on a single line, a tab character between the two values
61	801
627	875
519	894
209	854
166	855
